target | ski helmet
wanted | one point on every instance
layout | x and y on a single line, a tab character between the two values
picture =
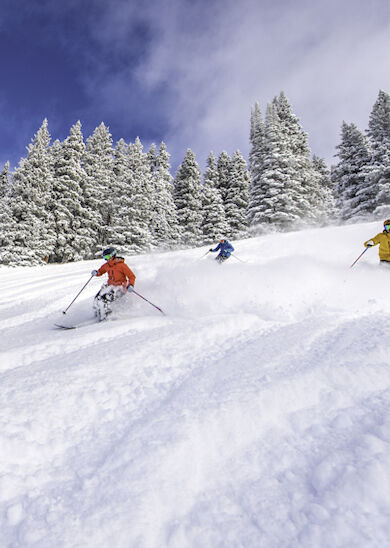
109	253
386	225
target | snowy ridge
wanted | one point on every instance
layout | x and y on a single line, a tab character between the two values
254	414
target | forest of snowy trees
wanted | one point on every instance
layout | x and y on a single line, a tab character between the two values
67	200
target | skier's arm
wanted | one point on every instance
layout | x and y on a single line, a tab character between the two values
373	241
216	249
129	275
102	270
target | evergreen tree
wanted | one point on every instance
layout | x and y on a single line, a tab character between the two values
98	163
256	163
355	199
378	171
152	158
286	188
139	210
29	237
326	207
120	163
164	224
119	233
256	138
224	166
4	180
188	199
237	197
214	221
75	239
273	205
300	183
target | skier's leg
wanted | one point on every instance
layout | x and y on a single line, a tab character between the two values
110	294
101	302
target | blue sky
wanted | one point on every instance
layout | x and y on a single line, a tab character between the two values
188	72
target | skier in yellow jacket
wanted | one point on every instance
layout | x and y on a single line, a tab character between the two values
383	239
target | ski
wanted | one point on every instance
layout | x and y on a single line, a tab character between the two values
76	326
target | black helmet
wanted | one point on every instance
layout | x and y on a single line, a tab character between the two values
109	253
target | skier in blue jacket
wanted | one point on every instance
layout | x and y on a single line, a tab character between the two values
225	249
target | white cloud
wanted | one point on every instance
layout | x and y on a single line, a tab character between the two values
215	59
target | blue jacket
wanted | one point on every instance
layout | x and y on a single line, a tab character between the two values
225	249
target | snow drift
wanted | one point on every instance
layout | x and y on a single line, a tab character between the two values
255	413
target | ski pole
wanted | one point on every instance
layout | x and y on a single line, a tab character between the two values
359	256
200	258
155	306
82	289
238	259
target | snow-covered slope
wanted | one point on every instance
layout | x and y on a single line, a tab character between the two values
254	414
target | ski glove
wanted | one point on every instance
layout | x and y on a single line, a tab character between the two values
130	288
210	250
94	273
370	243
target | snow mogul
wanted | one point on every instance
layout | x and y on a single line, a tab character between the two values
120	281
225	249
383	239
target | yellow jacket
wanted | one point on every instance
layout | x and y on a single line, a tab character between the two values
383	239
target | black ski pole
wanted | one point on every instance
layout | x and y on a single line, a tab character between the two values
82	289
155	306
354	262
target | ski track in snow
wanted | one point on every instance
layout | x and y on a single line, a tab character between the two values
255	414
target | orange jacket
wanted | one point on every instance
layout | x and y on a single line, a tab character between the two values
118	272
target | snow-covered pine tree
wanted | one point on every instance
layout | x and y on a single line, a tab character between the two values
224	165
237	197
152	157
76	233
4	180
121	161
326	207
140	193
30	236
214	221
256	162
301	186
188	199
164	224
378	171
355	198
98	162
7	223
119	233
275	205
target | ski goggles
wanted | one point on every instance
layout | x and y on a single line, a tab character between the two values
107	257
387	227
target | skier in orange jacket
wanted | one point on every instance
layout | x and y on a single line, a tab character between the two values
121	279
